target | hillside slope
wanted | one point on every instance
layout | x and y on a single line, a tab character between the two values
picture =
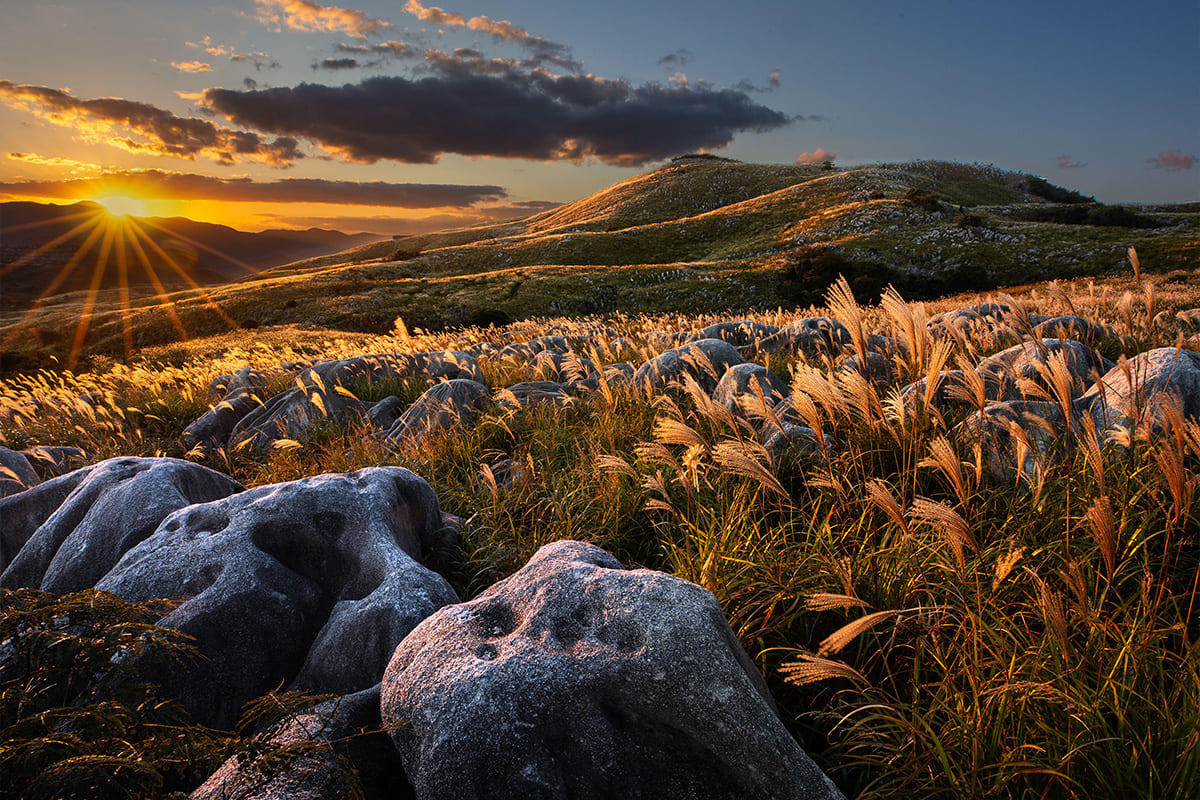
697	234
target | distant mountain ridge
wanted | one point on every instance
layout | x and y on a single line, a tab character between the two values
210	253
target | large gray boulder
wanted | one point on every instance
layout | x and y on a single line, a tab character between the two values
815	337
1159	376
1000	428
562	367
110	507
291	414
1029	364
316	754
705	360
443	407
746	388
21	514
214	427
309	584
741	333
361	371
576	678
16	473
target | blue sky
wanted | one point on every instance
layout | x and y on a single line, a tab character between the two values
246	111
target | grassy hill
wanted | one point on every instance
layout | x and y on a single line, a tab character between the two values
699	234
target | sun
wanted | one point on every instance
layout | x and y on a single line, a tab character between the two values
121	205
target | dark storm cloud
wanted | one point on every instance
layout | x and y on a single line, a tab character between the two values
678	58
511	114
157	130
181	185
337	63
392	49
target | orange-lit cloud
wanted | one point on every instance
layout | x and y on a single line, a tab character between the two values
303	15
1174	160
503	30
159	184
259	59
157	131
52	161
192	66
818	156
1066	162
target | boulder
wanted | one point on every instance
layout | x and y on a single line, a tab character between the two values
309	584
740	388
1028	363
740	333
361	371
813	336
1159	376
705	360
793	438
576	678
1042	423
252	380
875	367
534	393
51	461
112	507
442	407
317	753
562	367
21	514
16	473
214	427
290	415
383	415
1073	327
998	385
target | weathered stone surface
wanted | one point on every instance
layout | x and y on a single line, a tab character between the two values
666	340
739	333
310	584
875	367
370	369
16	473
113	506
383	415
1159	376
310	768
21	514
793	438
947	393
576	678
813	336
442	407
1073	327
745	388
1029	364
290	415
534	393
50	461
705	360
1042	423
214	427
562	367
251	380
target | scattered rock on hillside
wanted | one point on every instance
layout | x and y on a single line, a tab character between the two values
16	473
704	360
562	367
875	367
814	337
215	426
290	415
310	584
442	407
999	431
111	507
1074	327
1159	376
742	333
534	393
379	367
577	678
745	388
1029	363
51	461
250	380
950	386
306	764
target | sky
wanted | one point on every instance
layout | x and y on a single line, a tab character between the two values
399	116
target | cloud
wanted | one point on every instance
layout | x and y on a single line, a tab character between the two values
392	49
1174	160
773	78
678	58
1065	162
818	156
259	59
189	186
207	45
303	15
192	66
40	160
159	131
336	63
543	49
511	114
